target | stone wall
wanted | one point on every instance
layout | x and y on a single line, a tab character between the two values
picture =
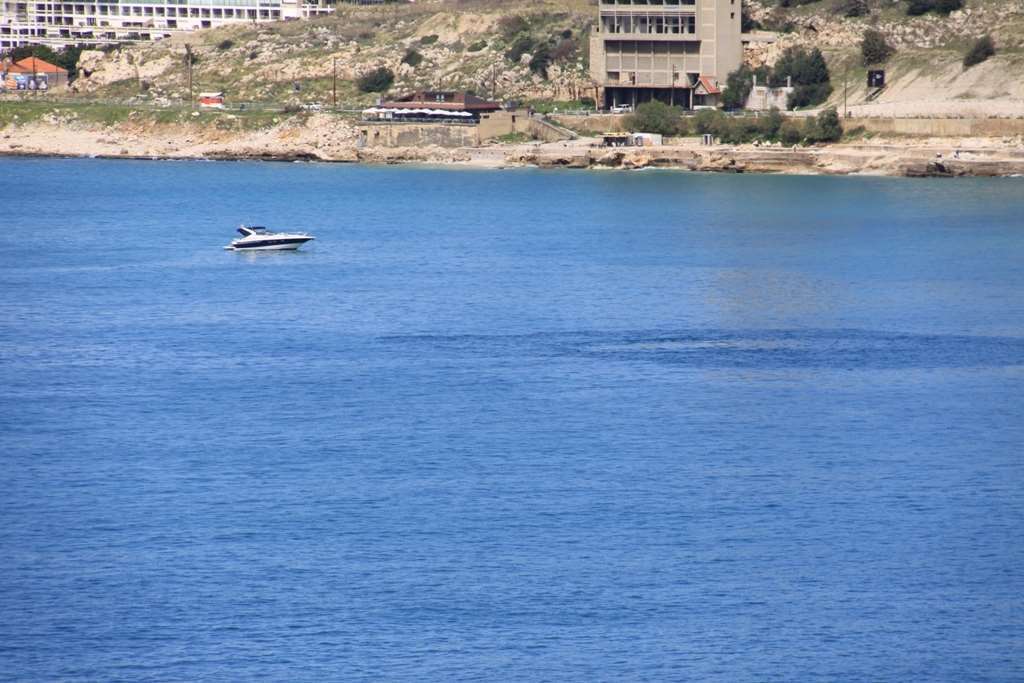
763	98
594	123
417	135
939	127
491	126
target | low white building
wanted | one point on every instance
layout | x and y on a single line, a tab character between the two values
766	98
101	22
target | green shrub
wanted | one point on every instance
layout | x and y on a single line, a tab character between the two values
772	124
709	121
808	95
540	62
428	40
655	117
825	128
984	48
791	132
852	8
918	7
412	58
477	46
378	80
522	45
511	26
874	49
225	44
748	23
564	50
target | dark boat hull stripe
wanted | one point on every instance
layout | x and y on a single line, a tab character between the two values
271	243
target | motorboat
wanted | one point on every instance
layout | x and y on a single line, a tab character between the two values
259	238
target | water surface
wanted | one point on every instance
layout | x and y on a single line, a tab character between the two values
510	425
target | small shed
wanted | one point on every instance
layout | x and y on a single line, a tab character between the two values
211	100
706	92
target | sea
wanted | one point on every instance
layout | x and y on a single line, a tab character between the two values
509	425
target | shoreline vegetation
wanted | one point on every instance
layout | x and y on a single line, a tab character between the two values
122	132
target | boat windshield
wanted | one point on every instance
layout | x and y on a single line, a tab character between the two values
252	230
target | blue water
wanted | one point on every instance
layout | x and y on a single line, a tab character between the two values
516	425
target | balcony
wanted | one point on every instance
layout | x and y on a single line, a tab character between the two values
680	7
652	27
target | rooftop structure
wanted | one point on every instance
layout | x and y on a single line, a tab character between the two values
675	51
101	22
443	100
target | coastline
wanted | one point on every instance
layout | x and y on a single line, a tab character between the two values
321	139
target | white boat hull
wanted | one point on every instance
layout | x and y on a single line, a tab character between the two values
269	243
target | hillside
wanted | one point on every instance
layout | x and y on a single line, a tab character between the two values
537	51
473	44
925	75
450	44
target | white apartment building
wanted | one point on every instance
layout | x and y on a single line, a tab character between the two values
101	22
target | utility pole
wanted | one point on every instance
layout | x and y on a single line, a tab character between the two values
846	73
334	83
188	59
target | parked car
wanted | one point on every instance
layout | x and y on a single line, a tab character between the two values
622	109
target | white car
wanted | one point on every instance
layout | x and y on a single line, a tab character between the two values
622	109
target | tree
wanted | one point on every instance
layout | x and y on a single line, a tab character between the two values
771	125
791	133
874	49
982	49
656	117
739	83
378	80
826	127
66	59
808	73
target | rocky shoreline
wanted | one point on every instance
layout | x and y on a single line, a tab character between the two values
330	143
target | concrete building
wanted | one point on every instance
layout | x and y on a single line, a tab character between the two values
675	51
101	22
